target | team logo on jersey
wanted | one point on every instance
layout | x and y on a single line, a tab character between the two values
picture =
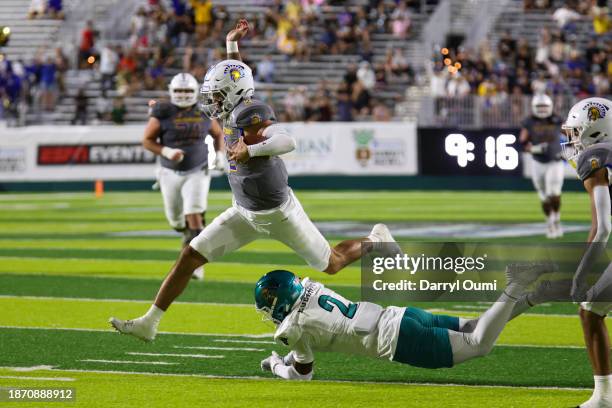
235	72
596	110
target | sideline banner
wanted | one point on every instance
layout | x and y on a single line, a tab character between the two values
70	153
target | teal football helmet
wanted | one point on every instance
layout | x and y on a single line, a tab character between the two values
275	294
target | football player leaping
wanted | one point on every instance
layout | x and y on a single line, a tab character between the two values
540	136
263	204
310	317
176	132
589	130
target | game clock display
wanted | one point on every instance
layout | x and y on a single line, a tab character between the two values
469	152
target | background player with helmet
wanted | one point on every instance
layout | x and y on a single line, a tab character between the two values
176	131
263	204
540	136
589	130
310	317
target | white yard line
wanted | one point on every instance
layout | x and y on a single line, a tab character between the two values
220	348
79	299
258	378
244	341
246	335
18	377
134	353
128	362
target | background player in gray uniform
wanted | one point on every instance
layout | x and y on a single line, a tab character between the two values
263	204
310	317
540	136
176	132
589	130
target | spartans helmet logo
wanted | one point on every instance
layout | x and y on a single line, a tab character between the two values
593	113
235	72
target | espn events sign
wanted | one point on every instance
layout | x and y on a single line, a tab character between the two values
71	153
125	153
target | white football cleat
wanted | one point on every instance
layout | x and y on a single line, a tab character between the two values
383	238
551	233
138	328
558	230
525	273
198	273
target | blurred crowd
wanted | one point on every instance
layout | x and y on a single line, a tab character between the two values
35	82
560	64
46	9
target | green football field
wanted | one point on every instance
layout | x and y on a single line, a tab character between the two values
69	261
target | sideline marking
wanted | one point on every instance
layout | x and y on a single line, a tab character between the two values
220	348
128	362
245	341
134	353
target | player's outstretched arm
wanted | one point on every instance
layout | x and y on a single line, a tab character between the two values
287	368
232	38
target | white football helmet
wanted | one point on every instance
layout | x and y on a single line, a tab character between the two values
588	122
541	106
183	90
225	84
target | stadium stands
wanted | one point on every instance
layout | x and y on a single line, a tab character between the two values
308	57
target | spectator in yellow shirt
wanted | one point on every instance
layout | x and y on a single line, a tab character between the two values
202	12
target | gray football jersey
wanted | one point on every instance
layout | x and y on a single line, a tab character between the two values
546	130
593	158
262	182
183	129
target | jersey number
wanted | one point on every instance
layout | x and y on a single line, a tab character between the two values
327	302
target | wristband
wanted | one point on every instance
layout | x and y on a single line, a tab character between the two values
232	46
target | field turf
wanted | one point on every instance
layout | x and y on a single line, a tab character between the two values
70	261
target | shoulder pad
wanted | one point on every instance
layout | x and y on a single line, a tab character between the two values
162	110
594	158
251	112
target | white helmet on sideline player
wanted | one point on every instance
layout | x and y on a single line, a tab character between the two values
541	106
183	90
588	122
225	84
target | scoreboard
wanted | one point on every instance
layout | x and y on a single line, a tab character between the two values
469	152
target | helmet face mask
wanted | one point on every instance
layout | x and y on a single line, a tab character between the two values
183	89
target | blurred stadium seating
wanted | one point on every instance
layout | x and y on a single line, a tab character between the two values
515	44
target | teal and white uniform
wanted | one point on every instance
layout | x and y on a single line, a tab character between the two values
322	320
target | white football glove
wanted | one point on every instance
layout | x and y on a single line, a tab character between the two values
173	154
268	363
220	161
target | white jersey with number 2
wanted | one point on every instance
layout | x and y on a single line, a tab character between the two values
322	320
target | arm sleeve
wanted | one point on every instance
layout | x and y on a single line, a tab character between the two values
278	142
302	352
601	195
290	373
595	249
